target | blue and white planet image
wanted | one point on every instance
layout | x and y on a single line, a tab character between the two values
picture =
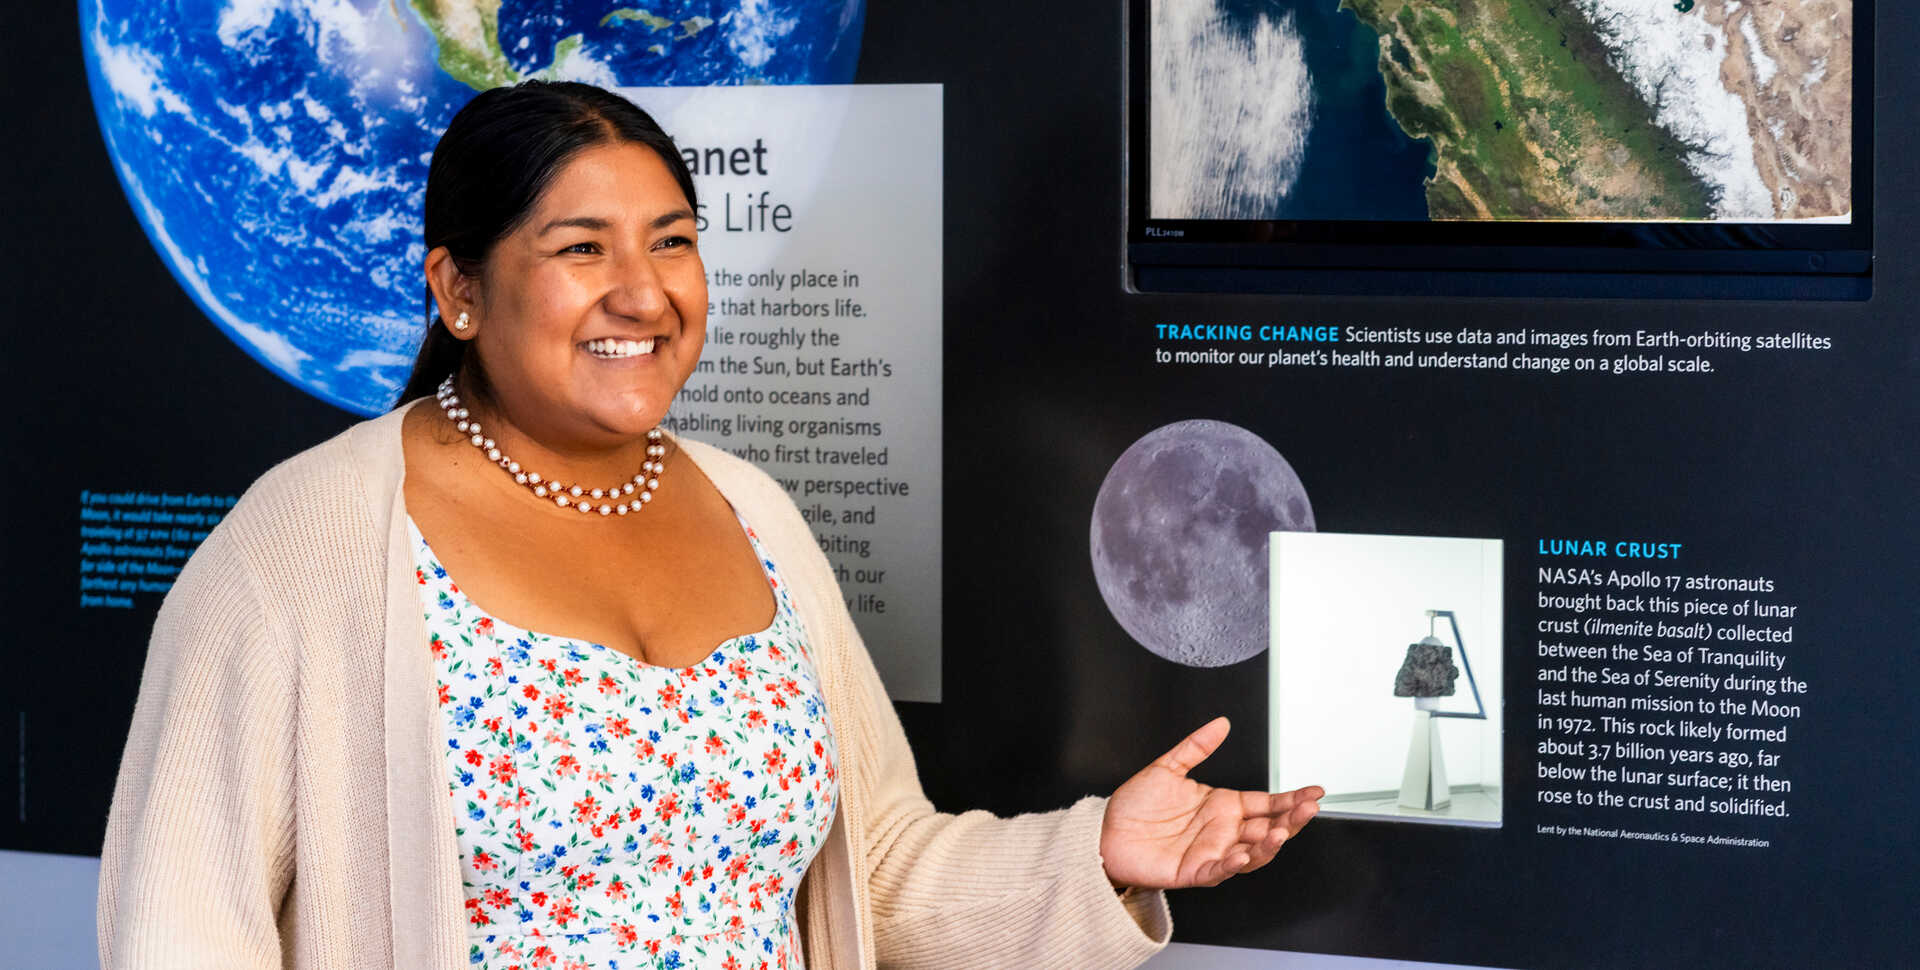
276	151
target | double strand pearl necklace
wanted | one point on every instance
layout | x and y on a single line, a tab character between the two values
618	500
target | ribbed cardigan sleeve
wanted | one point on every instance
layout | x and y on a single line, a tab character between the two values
199	846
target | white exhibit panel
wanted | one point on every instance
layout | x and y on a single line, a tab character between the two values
820	226
1354	616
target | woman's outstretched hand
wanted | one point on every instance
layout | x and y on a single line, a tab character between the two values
1164	830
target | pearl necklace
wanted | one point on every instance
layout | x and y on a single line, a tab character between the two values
587	500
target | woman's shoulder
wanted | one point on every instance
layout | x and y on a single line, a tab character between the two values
748	487
337	492
723	467
300	550
766	504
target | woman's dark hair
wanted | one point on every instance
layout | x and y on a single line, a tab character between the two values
498	155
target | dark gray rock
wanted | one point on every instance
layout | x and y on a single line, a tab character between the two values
1428	671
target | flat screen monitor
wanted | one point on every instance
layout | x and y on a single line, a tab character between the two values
1721	142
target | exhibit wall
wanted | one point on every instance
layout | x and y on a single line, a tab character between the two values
1617	294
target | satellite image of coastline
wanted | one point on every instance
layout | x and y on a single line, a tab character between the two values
1566	110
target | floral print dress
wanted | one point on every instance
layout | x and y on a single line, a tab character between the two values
614	815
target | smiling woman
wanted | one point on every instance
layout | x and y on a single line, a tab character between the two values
444	692
495	160
588	316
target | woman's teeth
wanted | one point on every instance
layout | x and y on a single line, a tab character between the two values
613	348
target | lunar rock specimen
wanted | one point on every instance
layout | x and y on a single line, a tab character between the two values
1428	671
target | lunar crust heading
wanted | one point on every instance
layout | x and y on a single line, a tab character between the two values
1179	539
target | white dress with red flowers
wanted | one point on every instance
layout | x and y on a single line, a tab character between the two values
614	815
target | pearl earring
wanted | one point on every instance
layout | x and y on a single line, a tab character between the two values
460	322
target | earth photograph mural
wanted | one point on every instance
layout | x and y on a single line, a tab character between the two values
276	151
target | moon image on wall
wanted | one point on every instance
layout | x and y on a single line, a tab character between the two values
1179	539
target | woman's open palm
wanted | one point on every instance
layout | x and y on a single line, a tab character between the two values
1164	830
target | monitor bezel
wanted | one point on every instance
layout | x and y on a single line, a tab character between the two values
1230	255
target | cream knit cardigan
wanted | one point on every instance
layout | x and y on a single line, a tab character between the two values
282	800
